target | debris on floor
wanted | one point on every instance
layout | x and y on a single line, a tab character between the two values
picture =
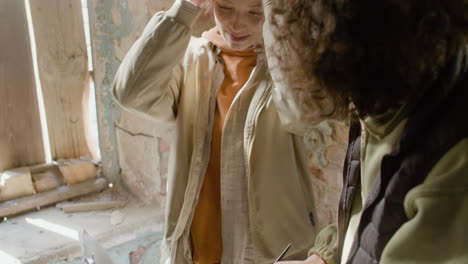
16	183
117	218
21	205
92	251
77	171
50	236
30	188
74	207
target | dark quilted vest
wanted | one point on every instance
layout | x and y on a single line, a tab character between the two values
436	126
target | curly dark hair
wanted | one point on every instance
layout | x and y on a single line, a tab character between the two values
376	54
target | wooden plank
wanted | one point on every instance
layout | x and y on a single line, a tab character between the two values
39	168
16	183
20	129
60	194
45	181
64	74
78	172
90	206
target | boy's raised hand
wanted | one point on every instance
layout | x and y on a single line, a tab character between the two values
205	21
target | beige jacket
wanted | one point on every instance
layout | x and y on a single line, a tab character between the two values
172	78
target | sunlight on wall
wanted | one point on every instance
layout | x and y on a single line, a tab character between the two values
92	115
40	97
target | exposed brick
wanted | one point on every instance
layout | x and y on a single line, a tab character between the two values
135	256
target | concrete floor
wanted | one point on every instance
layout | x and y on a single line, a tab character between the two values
50	236
121	254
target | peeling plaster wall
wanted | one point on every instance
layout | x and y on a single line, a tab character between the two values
327	145
130	145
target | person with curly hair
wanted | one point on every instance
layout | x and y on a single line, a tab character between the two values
399	69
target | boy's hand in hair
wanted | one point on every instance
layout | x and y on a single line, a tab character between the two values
205	20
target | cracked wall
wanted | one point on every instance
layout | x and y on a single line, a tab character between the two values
129	143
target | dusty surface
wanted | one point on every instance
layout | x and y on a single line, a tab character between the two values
142	250
50	236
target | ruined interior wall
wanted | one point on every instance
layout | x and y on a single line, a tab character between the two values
129	144
327	145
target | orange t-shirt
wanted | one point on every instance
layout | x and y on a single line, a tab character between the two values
206	230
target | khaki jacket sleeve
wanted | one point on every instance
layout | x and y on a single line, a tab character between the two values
150	77
437	230
326	244
296	111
